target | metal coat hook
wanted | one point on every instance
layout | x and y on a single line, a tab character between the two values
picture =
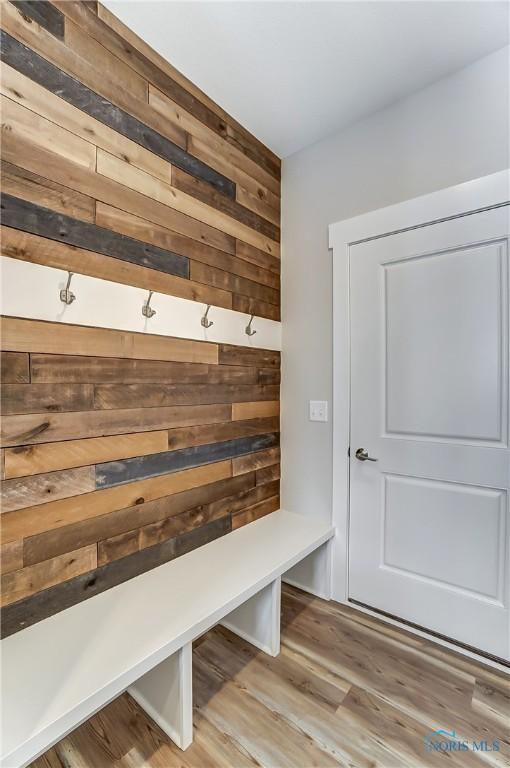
204	321
248	330
66	295
147	310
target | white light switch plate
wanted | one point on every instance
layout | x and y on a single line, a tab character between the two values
318	410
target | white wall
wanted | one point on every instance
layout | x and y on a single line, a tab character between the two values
452	131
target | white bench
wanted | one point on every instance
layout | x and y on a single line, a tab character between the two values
138	635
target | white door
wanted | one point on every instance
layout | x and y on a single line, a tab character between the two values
429	520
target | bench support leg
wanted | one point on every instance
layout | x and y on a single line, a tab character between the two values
258	619
165	693
313	573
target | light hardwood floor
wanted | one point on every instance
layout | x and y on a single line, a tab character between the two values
346	690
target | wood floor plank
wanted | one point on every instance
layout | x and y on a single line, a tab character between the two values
75	535
40	489
20	335
56	514
298	709
49	457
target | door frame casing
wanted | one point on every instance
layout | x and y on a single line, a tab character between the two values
452	202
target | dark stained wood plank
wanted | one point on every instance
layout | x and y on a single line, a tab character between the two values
207	194
14	368
117	472
267	474
39	250
38	398
40	160
38	489
256	307
213	433
202	273
80	369
113	396
27	429
44	13
254	513
263	358
42	71
140	229
28	217
23	184
255	461
268	376
51	543
26	612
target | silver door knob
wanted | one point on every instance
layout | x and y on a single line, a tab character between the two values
362	455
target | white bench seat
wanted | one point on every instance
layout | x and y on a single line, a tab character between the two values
59	672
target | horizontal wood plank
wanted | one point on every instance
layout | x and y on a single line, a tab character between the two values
14	368
163	395
254	513
37	189
39	489
44	13
55	514
156	464
203	273
20	335
11	556
54	542
260	410
255	461
37	607
28	429
39	250
18	585
49	457
266	358
108	370
210	433
267	474
39	398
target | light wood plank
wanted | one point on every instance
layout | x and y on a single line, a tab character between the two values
21	123
17	585
37	336
45	488
49	457
30	94
135	178
260	410
56	514
11	556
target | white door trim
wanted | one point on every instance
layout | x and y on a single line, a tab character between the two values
475	195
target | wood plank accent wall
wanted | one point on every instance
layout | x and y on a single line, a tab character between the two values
121	450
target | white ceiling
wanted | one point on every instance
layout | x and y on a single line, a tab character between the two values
295	72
